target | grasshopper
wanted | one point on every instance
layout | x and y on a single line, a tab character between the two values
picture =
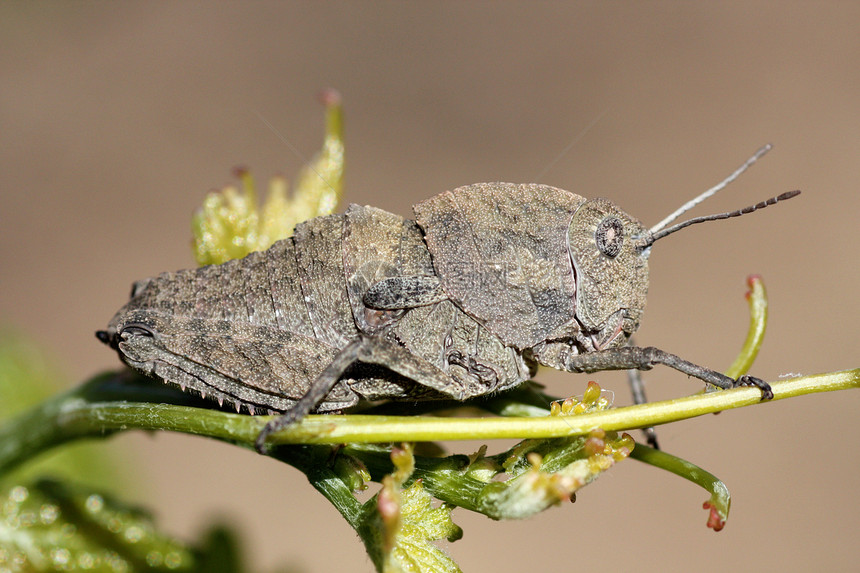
486	283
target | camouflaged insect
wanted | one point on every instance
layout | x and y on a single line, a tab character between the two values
489	281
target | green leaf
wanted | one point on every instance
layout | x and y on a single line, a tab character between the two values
411	523
49	526
420	525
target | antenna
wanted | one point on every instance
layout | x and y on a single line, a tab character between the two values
649	239
713	190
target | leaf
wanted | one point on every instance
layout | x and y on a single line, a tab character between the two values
52	526
545	472
49	526
420	525
411	523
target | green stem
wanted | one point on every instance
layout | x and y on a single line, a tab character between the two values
314	462
335	429
720	500
757	299
80	414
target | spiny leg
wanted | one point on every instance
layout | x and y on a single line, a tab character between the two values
398	359
316	393
367	350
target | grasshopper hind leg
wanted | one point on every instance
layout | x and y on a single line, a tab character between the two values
317	392
368	350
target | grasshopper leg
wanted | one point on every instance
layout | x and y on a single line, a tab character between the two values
645	358
367	350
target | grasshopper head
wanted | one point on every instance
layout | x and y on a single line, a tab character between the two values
609	250
611	271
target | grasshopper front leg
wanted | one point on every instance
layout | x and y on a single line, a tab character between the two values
645	358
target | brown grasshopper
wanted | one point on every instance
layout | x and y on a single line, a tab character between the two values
489	281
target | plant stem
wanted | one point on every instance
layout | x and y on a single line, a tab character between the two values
82	414
757	299
720	501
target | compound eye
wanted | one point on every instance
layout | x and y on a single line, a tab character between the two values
610	236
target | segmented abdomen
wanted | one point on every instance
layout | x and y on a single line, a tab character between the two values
297	286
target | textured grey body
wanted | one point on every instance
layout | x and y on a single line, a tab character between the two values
502	253
523	260
493	279
258	331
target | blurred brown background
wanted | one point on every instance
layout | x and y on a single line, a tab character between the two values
115	119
